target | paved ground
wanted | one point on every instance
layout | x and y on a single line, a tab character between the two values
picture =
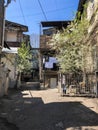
32	109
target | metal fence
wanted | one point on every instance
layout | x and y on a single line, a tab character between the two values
75	84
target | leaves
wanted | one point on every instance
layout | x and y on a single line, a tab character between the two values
70	45
23	58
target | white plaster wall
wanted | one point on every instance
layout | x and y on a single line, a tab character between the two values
11	36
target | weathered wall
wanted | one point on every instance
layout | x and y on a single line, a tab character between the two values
92	7
4	80
92	41
10	61
92	38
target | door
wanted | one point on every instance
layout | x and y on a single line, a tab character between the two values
53	83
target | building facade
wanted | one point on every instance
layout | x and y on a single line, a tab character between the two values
48	62
13	38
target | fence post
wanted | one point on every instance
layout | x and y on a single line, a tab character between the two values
96	84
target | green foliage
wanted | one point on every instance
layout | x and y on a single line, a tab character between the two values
23	59
71	45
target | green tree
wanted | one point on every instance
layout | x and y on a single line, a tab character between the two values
24	57
23	60
71	45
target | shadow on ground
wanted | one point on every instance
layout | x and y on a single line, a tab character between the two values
31	113
30	86
5	125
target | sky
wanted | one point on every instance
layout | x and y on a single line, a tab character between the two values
32	12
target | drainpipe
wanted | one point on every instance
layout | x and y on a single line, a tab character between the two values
3	28
1	31
5	6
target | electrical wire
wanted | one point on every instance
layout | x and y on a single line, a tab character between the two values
22	13
51	11
42	10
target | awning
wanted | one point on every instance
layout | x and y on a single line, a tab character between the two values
13	50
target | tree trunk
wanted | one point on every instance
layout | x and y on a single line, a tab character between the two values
18	81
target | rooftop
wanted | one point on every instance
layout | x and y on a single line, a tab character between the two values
58	24
9	24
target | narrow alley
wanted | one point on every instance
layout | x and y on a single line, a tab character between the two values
32	109
49	46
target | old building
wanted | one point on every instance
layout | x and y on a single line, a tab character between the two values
89	11
13	38
92	40
48	62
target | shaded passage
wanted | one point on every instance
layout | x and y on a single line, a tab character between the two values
28	112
